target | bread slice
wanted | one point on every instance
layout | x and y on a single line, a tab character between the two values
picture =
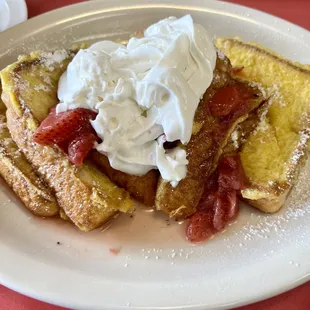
2	105
21	177
143	188
203	150
86	195
275	150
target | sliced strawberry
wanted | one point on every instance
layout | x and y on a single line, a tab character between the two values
57	128
224	101
231	173
225	208
232	207
80	146
208	200
200	226
218	205
64	146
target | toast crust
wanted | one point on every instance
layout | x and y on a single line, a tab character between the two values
86	195
143	188
20	176
42	71
278	146
203	151
87	206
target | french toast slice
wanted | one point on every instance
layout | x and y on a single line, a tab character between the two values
210	135
21	177
143	188
87	196
275	150
2	105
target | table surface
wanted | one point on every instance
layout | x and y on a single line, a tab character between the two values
296	11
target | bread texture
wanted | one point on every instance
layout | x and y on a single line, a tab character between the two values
209	138
274	152
21	177
86	195
143	188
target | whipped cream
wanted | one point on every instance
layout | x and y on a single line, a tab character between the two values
145	93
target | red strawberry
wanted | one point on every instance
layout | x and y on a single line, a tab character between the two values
231	173
200	226
64	146
57	128
225	208
80	146
224	101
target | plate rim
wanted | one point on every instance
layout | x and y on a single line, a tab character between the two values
156	3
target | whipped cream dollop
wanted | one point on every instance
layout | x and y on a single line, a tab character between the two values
145	93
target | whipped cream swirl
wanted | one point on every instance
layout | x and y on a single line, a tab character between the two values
145	93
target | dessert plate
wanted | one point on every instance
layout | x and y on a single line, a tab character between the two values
156	268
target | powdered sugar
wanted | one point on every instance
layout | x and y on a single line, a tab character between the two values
41	87
235	138
300	149
270	93
50	59
220	54
296	207
260	88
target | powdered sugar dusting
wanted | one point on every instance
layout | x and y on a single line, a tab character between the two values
50	59
235	138
271	93
41	87
259	87
220	54
296	207
300	150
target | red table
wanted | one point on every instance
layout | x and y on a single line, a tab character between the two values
298	299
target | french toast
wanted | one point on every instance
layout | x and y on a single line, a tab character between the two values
273	153
143	188
86	195
21	177
210	135
2	105
268	127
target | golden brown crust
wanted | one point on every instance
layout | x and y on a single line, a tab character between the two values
182	201
87	206
86	195
20	176
271	203
143	188
274	152
202	151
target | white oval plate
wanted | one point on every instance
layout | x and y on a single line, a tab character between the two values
257	257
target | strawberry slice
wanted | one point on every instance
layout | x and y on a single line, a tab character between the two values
80	146
57	128
227	100
231	173
200	226
225	208
71	131
219	204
